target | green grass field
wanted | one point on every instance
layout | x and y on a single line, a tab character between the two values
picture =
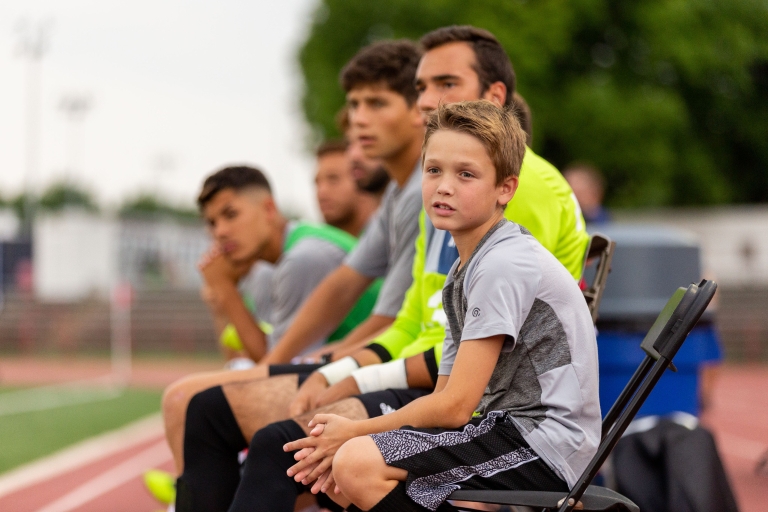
65	417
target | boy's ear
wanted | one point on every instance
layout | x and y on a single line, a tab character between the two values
507	189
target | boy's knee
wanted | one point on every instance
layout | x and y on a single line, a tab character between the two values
355	463
177	396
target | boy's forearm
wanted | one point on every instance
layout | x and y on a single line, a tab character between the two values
436	410
253	339
452	403
321	313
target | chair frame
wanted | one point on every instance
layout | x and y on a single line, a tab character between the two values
602	247
661	344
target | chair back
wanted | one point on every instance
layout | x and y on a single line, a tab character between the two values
661	344
600	248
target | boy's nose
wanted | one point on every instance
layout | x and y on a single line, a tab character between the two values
444	188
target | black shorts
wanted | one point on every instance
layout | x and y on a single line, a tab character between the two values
379	403
487	453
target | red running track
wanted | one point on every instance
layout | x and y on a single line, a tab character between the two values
738	418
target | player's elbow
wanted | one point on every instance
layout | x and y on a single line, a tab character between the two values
457	413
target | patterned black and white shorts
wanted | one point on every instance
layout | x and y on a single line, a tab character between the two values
487	453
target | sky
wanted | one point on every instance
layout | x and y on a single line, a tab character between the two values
175	89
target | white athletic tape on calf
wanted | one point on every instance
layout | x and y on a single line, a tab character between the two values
378	377
339	370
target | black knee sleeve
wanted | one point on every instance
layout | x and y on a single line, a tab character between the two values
265	485
324	501
212	440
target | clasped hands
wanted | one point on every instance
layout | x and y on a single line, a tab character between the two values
315	453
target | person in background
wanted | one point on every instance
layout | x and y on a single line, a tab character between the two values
589	186
247	228
342	202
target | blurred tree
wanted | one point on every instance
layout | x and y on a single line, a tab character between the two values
147	205
668	97
17	204
65	194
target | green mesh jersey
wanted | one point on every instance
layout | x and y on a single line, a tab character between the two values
344	241
544	203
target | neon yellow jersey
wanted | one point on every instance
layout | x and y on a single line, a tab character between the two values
544	203
546	206
420	323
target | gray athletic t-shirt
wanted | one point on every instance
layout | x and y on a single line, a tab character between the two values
387	246
255	289
546	377
279	290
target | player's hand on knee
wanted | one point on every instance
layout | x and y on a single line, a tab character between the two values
303	476
312	387
324	482
329	432
342	389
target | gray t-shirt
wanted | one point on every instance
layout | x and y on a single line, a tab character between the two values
279	290
255	289
387	246
546	377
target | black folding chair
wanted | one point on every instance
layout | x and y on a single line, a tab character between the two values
600	253
662	342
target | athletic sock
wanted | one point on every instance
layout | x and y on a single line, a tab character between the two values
398	501
324	501
265	487
212	440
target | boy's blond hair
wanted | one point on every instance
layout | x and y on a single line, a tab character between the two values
496	128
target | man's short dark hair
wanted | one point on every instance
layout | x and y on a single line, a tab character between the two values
524	115
492	63
237	178
342	120
331	146
390	62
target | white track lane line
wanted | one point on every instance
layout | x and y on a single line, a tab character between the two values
83	453
111	479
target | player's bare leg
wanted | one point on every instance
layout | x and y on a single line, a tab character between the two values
177	396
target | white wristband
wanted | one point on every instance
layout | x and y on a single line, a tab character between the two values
379	377
339	370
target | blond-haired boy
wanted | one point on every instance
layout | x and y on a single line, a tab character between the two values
516	402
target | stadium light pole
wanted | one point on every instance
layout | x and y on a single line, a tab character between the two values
75	106
33	45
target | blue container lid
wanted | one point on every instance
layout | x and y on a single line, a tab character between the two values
619	355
